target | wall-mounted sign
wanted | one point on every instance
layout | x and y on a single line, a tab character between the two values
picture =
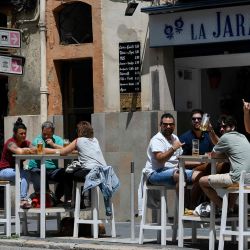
10	38
129	67
11	65
200	26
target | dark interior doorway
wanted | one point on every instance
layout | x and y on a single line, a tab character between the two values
77	93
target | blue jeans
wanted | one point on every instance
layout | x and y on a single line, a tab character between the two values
166	176
8	174
64	181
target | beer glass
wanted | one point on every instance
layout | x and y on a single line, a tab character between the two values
204	122
65	142
195	147
39	147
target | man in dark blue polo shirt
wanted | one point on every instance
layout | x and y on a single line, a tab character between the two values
207	139
205	142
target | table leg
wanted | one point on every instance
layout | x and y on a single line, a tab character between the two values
42	201
181	203
212	232
17	188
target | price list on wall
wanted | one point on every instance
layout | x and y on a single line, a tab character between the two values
129	67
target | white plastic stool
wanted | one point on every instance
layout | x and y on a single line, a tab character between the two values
162	219
35	211
95	220
242	232
7	207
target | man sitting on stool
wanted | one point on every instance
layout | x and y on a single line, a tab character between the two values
236	147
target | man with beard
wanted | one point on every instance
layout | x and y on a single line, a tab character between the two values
205	138
53	171
236	147
162	156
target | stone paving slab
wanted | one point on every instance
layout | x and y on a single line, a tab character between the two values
123	240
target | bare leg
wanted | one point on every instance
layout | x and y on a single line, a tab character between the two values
232	200
195	192
210	192
176	179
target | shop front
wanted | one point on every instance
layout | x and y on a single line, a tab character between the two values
210	56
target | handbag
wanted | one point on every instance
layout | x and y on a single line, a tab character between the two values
73	166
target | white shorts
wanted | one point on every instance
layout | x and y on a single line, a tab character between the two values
220	180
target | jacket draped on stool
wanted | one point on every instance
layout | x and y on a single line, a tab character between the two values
105	178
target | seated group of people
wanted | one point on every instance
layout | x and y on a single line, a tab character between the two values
162	156
164	148
89	155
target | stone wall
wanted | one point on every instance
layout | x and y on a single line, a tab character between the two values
124	138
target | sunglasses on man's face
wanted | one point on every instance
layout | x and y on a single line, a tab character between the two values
196	118
167	124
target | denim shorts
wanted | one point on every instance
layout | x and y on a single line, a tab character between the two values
165	176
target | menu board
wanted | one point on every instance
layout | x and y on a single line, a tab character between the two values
129	67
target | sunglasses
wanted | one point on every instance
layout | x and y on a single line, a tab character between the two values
196	118
168	124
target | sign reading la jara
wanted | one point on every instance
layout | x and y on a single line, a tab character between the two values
203	26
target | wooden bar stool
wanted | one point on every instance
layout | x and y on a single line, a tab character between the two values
242	231
95	220
161	225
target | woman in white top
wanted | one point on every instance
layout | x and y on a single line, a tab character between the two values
90	153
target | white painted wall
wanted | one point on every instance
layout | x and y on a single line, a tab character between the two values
187	89
120	28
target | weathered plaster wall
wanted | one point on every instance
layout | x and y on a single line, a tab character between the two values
120	28
24	91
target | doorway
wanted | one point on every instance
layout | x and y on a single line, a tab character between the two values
224	81
77	93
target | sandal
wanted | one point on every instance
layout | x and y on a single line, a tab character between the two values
24	204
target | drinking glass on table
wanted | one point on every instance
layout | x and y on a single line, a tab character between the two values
195	147
39	147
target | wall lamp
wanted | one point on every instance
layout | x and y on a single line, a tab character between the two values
132	5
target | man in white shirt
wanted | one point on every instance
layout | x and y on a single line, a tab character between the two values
162	156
